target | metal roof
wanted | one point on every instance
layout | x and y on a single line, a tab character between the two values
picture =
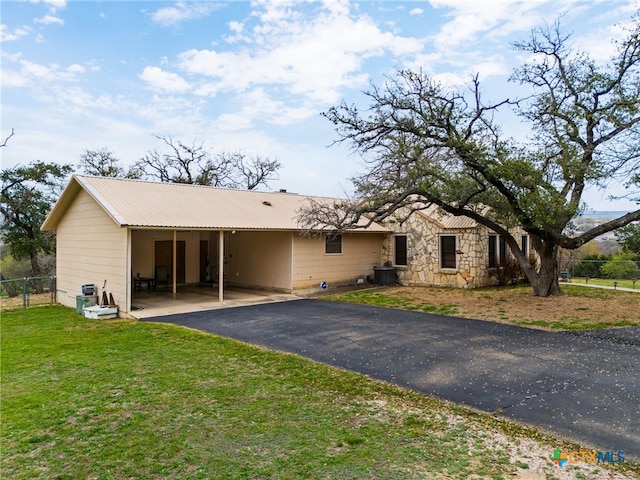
446	220
135	203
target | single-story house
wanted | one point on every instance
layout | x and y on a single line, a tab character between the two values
124	232
129	232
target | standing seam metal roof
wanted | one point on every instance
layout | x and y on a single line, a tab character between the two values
136	203
446	220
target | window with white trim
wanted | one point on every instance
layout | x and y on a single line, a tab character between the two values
333	244
497	251
524	245
447	251
400	250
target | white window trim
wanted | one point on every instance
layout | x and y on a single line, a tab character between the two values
440	253
395	264
341	245
528	249
500	255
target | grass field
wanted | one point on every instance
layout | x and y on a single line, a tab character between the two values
608	282
577	308
120	399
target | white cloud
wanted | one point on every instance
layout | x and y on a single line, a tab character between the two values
238	33
600	41
182	12
476	37
49	20
167	81
471	18
38	71
236	27
13	78
18	72
54	3
11	36
75	68
313	57
258	104
414	12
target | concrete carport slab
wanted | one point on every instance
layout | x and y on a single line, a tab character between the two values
583	387
193	299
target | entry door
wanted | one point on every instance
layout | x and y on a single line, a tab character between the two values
204	260
164	257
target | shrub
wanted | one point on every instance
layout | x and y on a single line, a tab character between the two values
621	267
590	265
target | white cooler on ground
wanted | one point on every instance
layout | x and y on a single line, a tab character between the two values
100	313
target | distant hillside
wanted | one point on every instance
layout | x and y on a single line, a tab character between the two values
592	218
603	214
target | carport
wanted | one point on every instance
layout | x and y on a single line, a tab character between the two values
170	260
164	259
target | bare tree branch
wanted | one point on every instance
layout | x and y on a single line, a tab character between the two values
4	144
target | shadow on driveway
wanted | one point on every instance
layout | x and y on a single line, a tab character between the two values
583	386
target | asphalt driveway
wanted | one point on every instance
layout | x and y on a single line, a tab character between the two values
580	386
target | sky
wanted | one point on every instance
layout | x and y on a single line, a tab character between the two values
254	77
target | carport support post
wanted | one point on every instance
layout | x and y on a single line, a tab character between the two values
220	265
175	263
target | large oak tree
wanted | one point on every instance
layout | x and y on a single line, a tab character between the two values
26	196
426	144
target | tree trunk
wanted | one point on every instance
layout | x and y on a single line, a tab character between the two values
11	291
36	271
546	281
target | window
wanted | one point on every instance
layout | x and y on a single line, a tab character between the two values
333	244
497	251
493	251
447	251
400	250
524	244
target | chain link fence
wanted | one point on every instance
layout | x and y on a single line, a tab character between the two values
21	293
623	273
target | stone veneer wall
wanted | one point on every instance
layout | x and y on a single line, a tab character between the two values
423	257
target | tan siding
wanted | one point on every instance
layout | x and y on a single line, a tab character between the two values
91	248
260	259
143	249
360	253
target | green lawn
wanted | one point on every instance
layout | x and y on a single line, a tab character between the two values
607	282
121	399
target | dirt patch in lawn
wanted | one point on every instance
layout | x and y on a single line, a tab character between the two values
576	308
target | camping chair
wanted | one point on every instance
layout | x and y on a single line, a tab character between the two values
162	276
